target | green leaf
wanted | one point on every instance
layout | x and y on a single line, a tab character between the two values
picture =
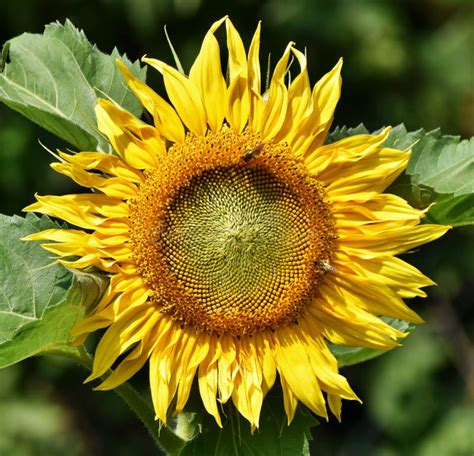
343	132
455	211
54	79
273	438
440	171
348	356
40	300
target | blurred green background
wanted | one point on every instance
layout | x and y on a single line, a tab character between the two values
404	61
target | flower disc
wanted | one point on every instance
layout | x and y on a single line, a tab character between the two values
235	248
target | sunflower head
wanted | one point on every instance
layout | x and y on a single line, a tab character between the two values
236	242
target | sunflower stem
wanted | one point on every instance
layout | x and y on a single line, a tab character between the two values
163	436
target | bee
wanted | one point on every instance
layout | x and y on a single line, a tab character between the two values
325	266
252	153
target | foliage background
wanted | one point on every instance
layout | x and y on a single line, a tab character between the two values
404	61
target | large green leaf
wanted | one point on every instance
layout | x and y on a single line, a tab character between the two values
54	79
40	300
440	171
273	438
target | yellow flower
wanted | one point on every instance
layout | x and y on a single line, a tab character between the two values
236	242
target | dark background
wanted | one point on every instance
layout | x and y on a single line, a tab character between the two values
404	61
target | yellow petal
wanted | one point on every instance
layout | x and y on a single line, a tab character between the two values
98	320
184	95
403	278
323	362
263	347
130	299
163	362
384	209
206	74
238	104
247	397
126	282
130	327
326	94
313	129
344	323
289	400
227	367
377	299
166	120
113	227
79	210
115	187
254	81
375	173
341	153
107	163
128	136
274	112
335	405
247	394
294	365
392	241
197	350
57	235
132	363
207	380
299	99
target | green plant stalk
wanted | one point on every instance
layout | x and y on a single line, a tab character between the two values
163	436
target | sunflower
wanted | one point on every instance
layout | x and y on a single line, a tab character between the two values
237	242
